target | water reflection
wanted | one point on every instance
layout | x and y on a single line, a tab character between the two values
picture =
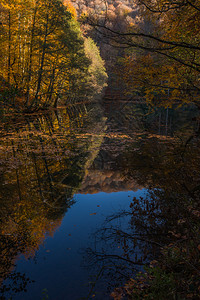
163	224
43	162
47	159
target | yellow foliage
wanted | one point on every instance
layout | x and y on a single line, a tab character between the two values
159	81
70	8
170	73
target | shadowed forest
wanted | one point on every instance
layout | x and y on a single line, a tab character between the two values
99	149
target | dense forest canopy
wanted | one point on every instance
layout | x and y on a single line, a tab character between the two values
159	44
47	56
43	55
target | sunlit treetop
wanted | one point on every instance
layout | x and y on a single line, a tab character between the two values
70	8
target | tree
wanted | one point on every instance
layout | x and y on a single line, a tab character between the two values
96	69
167	36
43	52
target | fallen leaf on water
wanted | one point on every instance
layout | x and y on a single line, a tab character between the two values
93	214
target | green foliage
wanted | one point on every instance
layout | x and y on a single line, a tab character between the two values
96	69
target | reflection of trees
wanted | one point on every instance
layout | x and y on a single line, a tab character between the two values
43	164
121	248
162	225
18	283
139	117
167	163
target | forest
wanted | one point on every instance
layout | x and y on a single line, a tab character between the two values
100	99
50	52
45	59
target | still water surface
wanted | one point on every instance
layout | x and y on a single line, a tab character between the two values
63	253
68	181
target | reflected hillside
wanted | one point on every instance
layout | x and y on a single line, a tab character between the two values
106	181
105	173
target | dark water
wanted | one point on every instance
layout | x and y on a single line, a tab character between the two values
88	194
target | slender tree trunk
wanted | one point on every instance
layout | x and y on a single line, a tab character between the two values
31	56
40	73
55	105
9	46
51	86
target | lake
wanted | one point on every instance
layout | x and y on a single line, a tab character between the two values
90	194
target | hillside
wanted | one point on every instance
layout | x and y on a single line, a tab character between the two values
126	9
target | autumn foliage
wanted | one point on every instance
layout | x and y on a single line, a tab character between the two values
43	59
